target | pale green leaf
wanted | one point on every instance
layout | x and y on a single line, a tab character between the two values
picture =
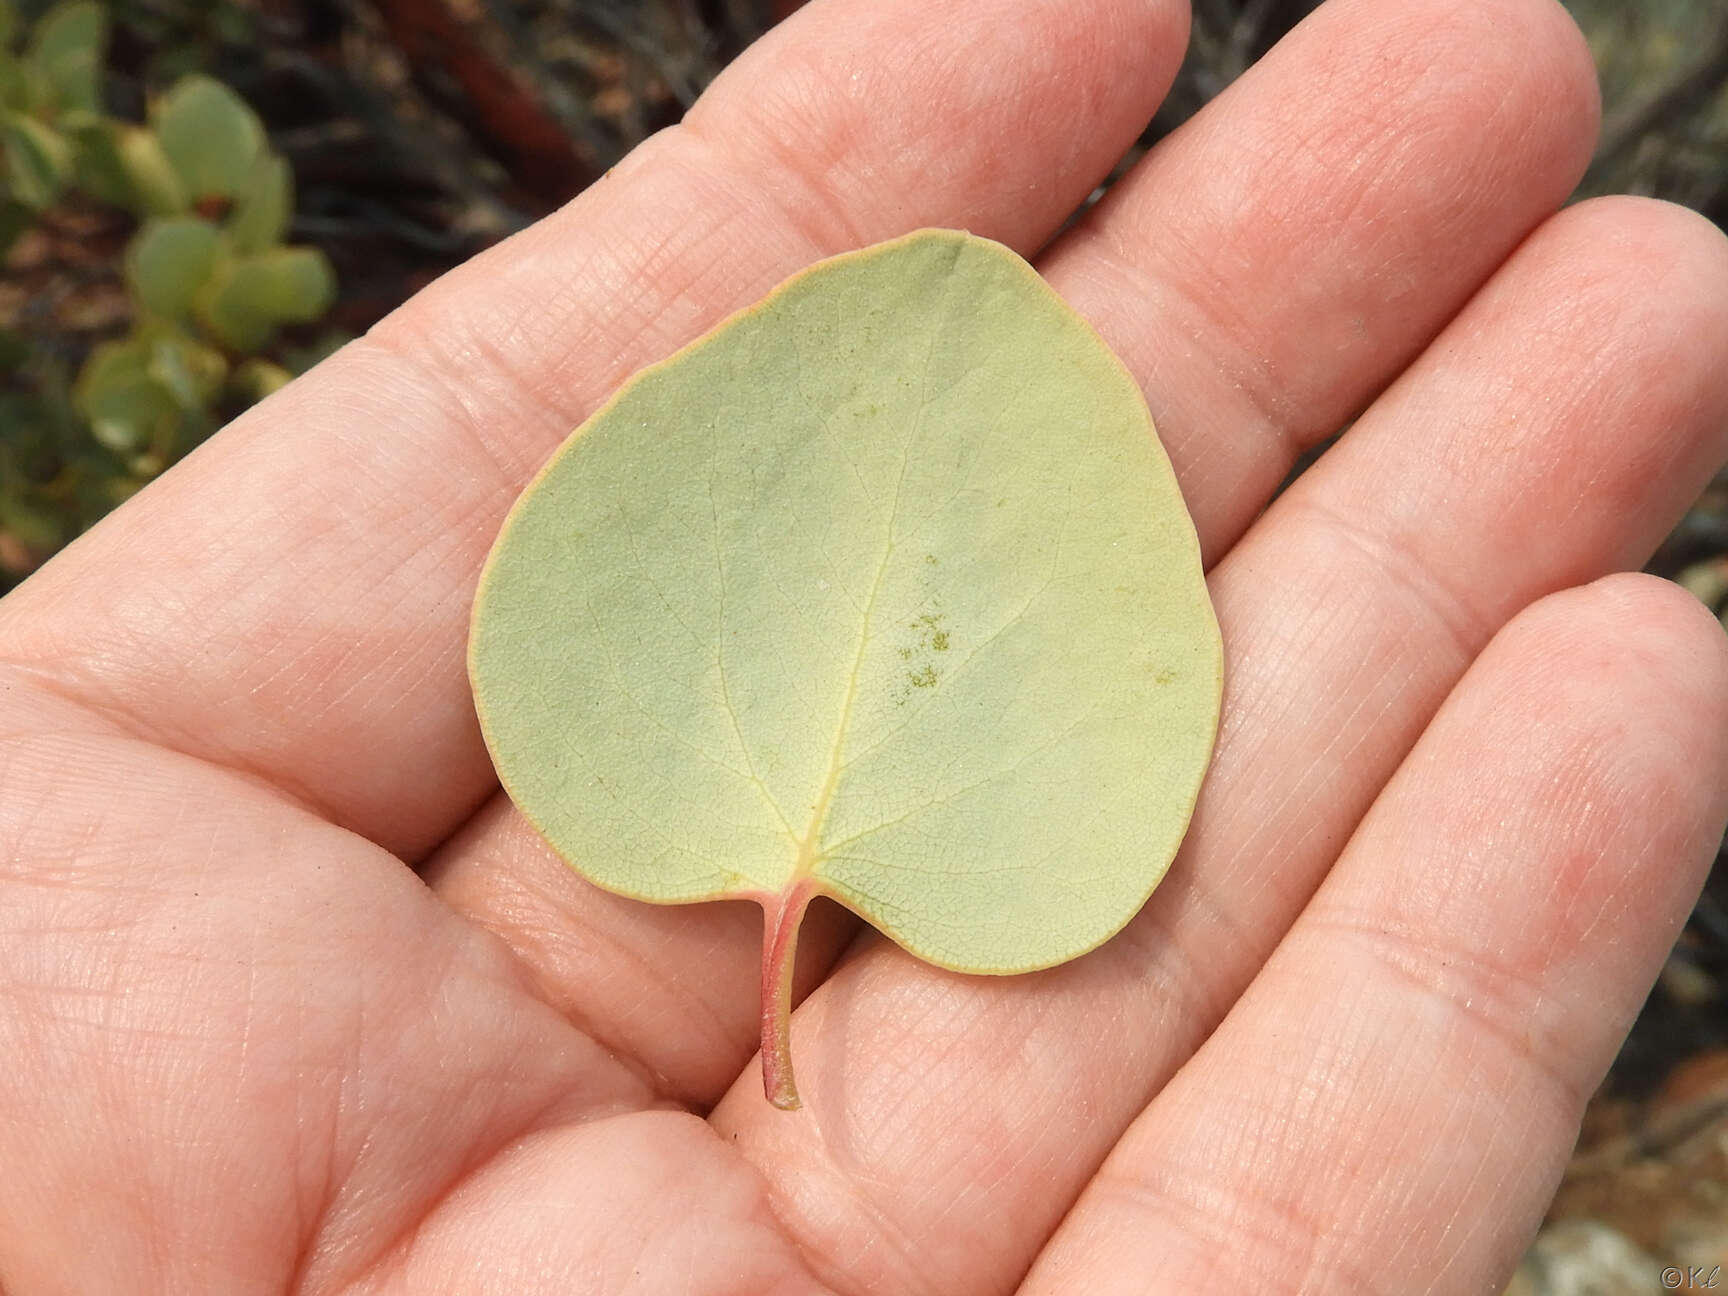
67	44
193	374
126	404
249	297
255	379
885	591
169	260
38	160
14	86
155	184
209	134
260	216
25	87
97	167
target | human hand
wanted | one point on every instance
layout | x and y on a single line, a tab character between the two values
1462	798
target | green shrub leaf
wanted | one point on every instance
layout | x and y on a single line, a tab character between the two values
127	406
169	260
25	87
38	160
255	379
97	167
209	134
247	298
14	92
260	217
193	374
67	45
156	186
884	590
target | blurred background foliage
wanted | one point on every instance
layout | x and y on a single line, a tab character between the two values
185	183
147	275
200	198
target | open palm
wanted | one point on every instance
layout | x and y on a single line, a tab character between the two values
292	1000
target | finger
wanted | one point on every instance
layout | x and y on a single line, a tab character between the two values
1419	1050
1365	240
1272	266
293	600
1551	433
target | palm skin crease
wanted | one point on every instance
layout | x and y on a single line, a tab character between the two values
293	1001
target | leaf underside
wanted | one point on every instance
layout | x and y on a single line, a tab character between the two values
883	590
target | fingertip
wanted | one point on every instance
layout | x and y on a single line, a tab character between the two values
843	94
1534	65
1517	69
1636	670
1635	623
1671	640
1654	247
1576	79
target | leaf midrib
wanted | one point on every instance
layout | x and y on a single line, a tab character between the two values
809	850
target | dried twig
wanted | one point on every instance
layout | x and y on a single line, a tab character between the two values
448	58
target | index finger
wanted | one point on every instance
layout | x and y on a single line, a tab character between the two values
293	600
